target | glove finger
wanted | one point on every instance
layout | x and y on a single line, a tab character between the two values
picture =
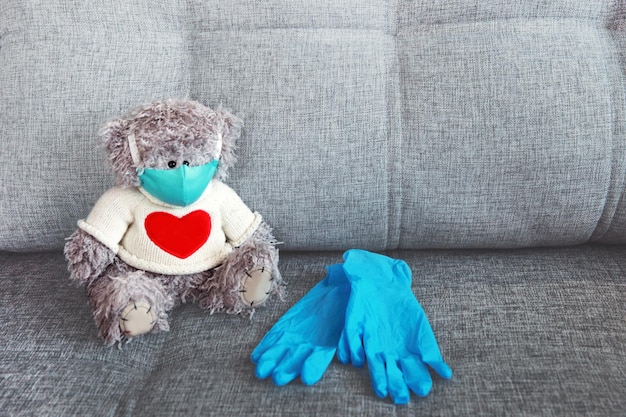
355	346
290	365
269	360
343	349
378	374
316	364
395	380
269	340
441	368
416	375
429	349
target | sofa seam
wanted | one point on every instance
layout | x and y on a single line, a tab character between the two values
395	138
426	26
615	187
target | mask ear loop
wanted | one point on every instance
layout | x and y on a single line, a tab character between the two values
218	148
134	152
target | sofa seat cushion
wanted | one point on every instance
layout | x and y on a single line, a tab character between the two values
529	332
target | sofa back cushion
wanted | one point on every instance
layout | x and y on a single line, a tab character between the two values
373	124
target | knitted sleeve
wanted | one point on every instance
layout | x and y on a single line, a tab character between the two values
111	216
238	221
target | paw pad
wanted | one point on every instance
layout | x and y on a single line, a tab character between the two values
137	318
256	286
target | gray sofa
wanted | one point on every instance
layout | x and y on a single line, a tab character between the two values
483	142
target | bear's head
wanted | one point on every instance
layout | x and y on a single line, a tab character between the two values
168	134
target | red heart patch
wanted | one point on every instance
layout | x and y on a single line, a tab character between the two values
179	236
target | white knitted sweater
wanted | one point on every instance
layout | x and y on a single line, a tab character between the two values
154	236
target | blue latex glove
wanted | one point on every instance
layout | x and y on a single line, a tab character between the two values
304	340
386	325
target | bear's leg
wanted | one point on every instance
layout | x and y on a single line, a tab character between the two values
246	278
127	302
256	285
137	318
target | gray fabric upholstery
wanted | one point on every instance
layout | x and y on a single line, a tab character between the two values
66	68
518	162
459	135
457	124
527	332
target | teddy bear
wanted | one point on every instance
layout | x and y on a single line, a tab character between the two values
170	230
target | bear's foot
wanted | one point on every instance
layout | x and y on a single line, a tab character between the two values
256	286
137	318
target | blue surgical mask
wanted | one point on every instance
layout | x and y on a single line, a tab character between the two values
181	186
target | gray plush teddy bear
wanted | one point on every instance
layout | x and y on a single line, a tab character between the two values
170	230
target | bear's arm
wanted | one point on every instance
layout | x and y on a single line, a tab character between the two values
111	216
238	221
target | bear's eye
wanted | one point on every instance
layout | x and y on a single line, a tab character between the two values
171	164
186	163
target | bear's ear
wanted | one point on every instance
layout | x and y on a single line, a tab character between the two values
230	131
114	136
